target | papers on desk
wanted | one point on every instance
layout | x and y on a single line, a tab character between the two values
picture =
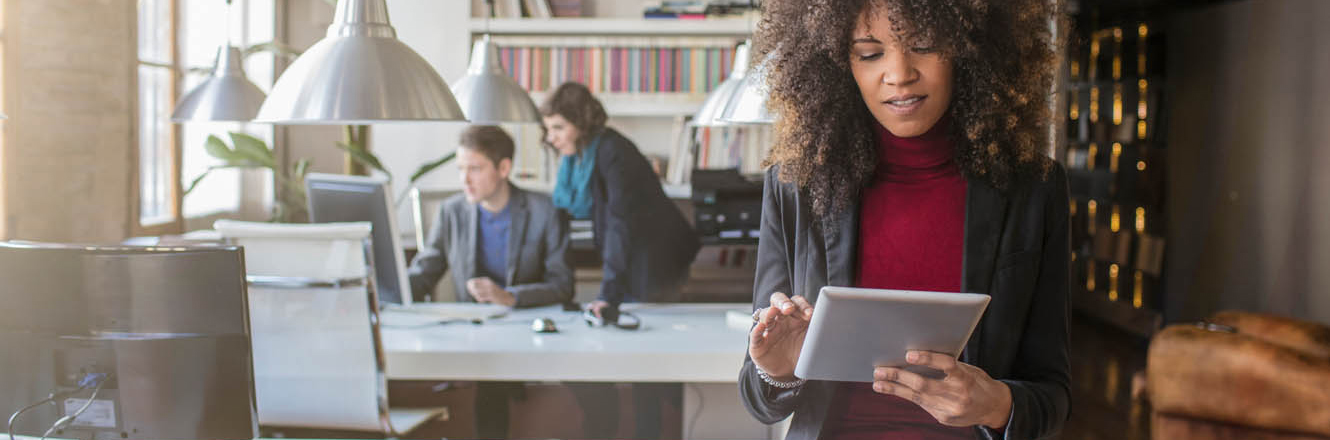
433	313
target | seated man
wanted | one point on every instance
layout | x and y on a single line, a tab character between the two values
505	246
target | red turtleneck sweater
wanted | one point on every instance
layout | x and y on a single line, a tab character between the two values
911	237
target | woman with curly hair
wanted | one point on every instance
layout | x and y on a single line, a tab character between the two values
908	155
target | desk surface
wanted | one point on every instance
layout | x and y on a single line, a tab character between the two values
677	343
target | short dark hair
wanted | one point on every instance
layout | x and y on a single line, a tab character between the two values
575	103
489	140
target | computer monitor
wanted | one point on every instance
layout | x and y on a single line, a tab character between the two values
341	198
125	342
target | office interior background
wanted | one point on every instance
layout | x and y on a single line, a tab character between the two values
1194	133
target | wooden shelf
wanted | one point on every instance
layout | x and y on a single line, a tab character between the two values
645	104
612	26
1141	322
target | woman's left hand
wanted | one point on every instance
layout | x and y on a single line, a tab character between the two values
967	396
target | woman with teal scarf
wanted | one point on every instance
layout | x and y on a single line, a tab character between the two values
644	241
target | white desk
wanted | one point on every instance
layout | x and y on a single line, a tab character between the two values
677	343
689	343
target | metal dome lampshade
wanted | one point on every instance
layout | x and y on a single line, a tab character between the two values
749	104
227	95
487	94
710	113
359	74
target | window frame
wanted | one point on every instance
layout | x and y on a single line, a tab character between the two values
176	221
253	190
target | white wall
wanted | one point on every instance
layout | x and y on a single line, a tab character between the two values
1248	149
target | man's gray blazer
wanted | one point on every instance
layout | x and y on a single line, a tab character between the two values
537	272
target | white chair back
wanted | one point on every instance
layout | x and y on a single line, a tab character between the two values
318	357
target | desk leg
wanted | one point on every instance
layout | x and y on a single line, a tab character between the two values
712	411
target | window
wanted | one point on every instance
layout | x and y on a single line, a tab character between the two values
183	35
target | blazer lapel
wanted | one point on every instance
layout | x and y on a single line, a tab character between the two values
842	242
470	228
985	218
516	231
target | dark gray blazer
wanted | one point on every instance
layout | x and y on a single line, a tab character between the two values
538	273
645	242
1017	250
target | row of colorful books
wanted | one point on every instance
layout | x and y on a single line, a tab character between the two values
626	68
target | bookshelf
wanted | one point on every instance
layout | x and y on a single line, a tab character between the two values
653	119
1116	166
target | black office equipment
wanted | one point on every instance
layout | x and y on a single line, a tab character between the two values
727	206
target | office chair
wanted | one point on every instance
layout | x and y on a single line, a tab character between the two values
424	211
318	355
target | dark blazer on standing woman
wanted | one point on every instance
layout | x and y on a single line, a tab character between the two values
1017	250
645	242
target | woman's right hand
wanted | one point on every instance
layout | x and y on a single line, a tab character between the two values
778	337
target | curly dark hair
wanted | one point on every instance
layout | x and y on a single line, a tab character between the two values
1003	62
575	103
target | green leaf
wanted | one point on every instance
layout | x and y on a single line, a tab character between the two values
194	183
253	149
430	166
360	154
301	169
218	149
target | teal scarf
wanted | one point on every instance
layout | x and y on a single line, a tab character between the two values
572	190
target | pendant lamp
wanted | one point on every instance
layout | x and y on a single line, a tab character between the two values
487	94
359	74
227	95
710	113
748	105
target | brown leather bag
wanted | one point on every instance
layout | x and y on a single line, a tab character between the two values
1244	369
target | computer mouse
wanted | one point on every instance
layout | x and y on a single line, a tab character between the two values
543	325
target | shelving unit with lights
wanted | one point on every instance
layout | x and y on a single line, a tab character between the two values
1116	167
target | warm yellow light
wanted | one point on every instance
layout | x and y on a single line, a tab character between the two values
1117	53
1117	104
1094	104
1140	105
1089	157
1140	129
1136	295
1089	275
1113	282
1140	49
1094	58
1072	208
1075	106
1115	220
1075	69
1140	165
1117	154
1140	220
1091	212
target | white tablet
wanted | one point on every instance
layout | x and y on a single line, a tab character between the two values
854	330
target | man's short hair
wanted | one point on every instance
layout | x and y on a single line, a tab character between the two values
488	140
